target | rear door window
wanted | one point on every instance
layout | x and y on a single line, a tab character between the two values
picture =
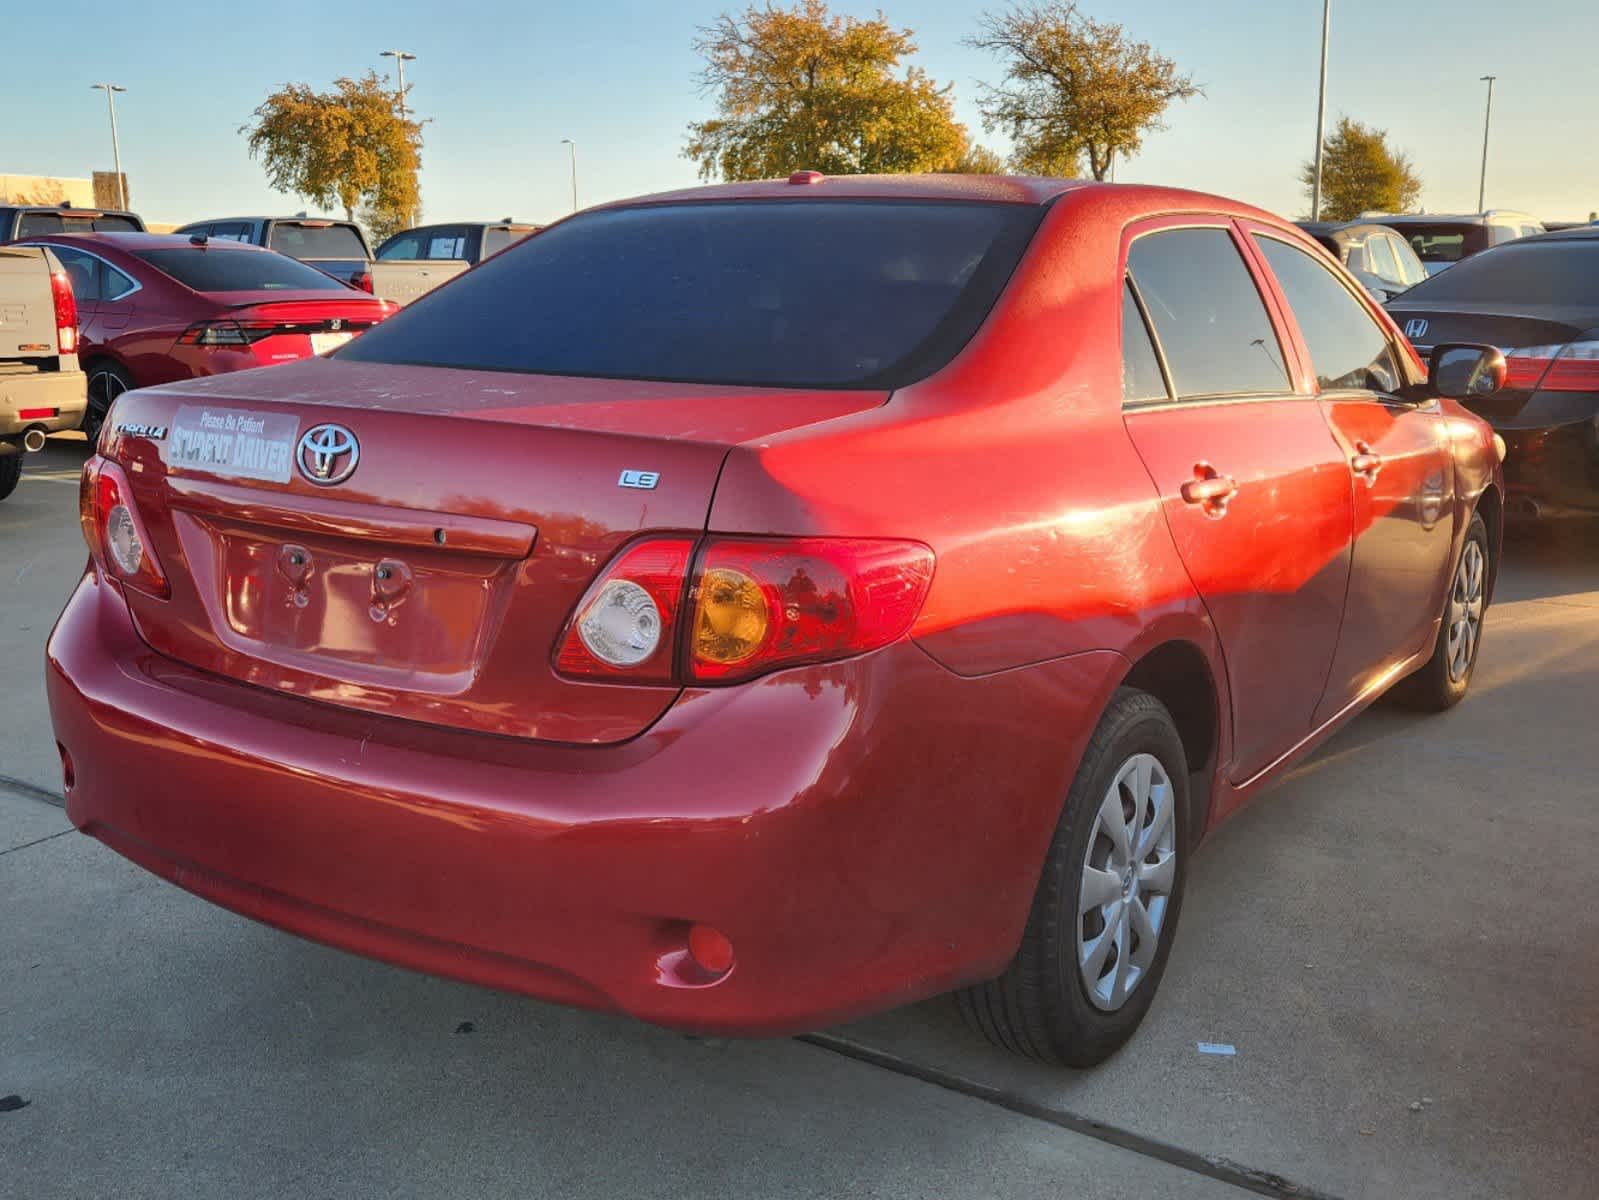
1207	313
1348	348
316	241
816	293
446	243
1142	380
230	231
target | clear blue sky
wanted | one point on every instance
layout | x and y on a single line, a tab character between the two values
617	76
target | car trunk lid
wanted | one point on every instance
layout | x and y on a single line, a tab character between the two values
430	572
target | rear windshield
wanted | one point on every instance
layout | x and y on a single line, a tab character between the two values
34	223
233	270
1559	274
316	241
495	240
837	294
1444	243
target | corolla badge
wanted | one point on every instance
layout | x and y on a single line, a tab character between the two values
1415	328
327	454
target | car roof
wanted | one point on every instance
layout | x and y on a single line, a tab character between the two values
1482	218
68	210
1578	233
995	189
280	220
142	241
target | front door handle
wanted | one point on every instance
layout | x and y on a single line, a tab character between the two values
1209	489
1365	461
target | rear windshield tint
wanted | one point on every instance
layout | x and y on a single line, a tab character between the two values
1559	273
231	270
316	241
1444	243
836	294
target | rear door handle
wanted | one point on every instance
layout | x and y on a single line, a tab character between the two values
1209	489
1365	461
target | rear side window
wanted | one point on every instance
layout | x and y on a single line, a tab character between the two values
1141	377
446	243
1348	349
1560	273
838	294
316	241
206	270
1381	256
495	240
1208	314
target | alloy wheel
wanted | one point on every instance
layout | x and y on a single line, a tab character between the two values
104	388
1128	876
1465	611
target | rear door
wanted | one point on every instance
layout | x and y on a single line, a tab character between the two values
1399	464
1255	488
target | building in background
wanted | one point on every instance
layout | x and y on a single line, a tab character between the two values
53	189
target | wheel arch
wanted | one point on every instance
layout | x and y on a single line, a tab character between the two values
1179	675
1491	507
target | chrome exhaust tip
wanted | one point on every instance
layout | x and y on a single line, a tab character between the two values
33	441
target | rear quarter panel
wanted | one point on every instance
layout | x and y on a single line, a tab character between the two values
1012	463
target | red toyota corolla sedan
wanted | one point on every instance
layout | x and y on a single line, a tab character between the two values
751	607
156	308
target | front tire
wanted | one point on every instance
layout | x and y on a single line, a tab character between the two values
1443	682
1106	909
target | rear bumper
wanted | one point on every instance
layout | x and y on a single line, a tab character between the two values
66	392
1552	471
866	833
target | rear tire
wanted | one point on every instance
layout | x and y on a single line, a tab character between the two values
107	381
1443	682
10	473
1044	1005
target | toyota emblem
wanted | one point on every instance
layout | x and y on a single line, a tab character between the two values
327	454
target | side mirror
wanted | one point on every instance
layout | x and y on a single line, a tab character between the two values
1464	371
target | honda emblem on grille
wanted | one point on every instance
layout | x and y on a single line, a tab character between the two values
327	454
1415	328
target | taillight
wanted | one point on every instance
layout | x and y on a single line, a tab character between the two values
66	305
755	605
115	534
363	281
1567	368
226	333
626	626
764	603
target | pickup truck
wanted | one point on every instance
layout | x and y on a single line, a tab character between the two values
415	261
42	391
18	221
338	248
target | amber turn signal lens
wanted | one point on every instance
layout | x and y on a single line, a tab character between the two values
731	619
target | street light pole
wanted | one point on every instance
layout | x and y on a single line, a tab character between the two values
572	146
400	57
116	150
1321	110
1487	116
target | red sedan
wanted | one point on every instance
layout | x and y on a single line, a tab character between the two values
752	607
157	308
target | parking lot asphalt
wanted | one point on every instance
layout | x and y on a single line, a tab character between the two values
1398	941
